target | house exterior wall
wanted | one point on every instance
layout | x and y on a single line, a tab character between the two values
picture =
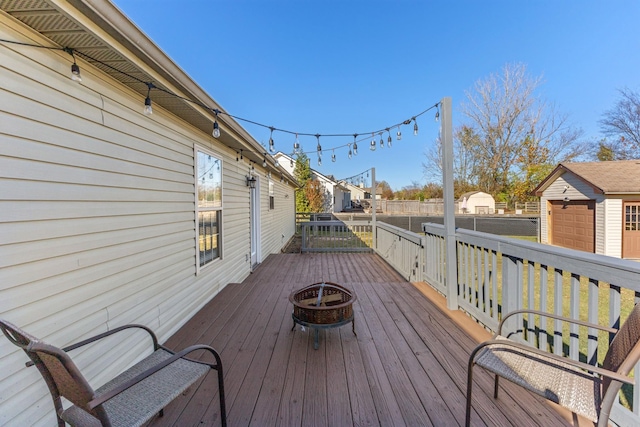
97	222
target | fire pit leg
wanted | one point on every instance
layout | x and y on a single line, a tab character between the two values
353	326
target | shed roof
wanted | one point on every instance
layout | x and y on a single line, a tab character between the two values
612	177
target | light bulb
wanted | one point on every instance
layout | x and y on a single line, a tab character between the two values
272	148
148	110
264	162
296	145
319	147
437	115
349	154
333	157
372	146
75	73
319	161
415	127
216	130
381	142
389	139
355	149
399	134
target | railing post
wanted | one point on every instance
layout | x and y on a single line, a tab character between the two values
449	204
510	293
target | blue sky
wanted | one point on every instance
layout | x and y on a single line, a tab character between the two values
355	66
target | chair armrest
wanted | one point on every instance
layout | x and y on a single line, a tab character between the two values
111	332
104	335
554	316
124	386
531	353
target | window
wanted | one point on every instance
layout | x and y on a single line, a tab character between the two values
271	196
209	206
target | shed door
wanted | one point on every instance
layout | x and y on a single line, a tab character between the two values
631	231
573	224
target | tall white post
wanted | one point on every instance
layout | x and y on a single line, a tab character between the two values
374	207
446	133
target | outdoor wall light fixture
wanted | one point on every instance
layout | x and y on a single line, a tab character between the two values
566	199
251	181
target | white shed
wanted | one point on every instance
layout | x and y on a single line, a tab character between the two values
476	202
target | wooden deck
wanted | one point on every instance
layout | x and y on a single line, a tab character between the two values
407	365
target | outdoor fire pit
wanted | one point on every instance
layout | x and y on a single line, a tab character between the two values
322	306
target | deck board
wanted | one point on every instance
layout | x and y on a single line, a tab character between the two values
406	367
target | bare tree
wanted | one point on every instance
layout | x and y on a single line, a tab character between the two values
511	129
622	123
463	162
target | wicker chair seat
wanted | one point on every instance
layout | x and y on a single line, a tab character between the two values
561	383
138	404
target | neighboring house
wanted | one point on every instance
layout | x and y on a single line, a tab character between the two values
476	202
358	192
593	207
109	216
337	196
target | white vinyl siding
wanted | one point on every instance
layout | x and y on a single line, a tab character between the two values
97	218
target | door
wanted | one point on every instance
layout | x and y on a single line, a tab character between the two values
254	226
631	231
573	224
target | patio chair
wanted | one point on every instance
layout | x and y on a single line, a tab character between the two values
587	390
131	398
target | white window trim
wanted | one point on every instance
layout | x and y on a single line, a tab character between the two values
196	149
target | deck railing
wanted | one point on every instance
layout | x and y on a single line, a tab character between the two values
497	275
336	236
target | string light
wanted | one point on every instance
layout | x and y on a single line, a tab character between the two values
333	156
75	69
148	110
381	141
264	160
296	145
272	148
372	146
415	127
216	128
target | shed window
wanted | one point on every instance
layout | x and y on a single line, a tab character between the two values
209	206
632	218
